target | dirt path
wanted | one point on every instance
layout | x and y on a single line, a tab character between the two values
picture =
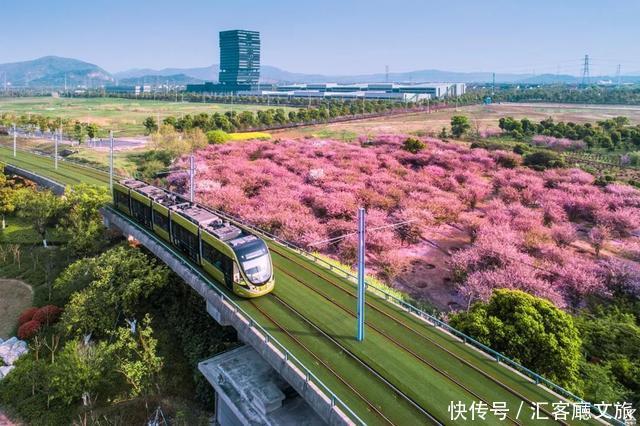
15	296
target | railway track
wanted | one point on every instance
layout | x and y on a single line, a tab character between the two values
414	331
429	416
283	329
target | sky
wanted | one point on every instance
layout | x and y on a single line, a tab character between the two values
333	36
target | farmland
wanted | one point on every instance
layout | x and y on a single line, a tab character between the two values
124	116
481	116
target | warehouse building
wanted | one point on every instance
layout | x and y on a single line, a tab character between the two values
401	92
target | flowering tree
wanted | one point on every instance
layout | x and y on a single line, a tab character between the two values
521	222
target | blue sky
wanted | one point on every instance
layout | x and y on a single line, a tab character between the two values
331	36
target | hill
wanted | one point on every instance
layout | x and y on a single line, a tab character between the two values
157	79
52	71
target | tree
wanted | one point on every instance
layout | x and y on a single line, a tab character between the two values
217	137
79	132
120	279
78	370
413	145
611	343
7	198
81	219
459	125
92	131
136	357
41	208
150	125
598	236
529	330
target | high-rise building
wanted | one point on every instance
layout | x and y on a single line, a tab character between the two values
239	59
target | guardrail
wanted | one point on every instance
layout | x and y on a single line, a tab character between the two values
499	357
268	337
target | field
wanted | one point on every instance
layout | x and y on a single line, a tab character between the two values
124	116
482	117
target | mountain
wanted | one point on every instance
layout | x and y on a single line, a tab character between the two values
271	74
203	73
52	71
158	79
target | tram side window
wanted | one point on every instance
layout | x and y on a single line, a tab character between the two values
141	212
160	220
186	240
212	255
122	199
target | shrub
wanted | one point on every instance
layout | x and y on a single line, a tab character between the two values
488	145
27	315
217	137
543	160
521	149
28	329
413	145
47	314
507	160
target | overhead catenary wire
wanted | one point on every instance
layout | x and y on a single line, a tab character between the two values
376	228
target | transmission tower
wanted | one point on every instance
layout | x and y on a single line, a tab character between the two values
618	76
585	71
386	73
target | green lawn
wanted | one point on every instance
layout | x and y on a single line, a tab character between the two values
19	231
124	116
429	366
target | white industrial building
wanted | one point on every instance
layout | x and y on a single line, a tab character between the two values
402	92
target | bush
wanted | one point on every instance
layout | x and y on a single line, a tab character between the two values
28	329
543	160
521	149
27	315
413	145
47	314
507	160
217	137
488	145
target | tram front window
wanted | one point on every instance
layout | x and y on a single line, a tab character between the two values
254	259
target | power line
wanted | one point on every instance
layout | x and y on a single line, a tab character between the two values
377	228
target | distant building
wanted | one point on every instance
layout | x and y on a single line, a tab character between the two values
393	91
128	90
239	64
239	58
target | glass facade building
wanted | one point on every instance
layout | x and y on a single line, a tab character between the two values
239	58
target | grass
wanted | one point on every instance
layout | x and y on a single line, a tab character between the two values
16	296
19	231
67	173
331	310
124	116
